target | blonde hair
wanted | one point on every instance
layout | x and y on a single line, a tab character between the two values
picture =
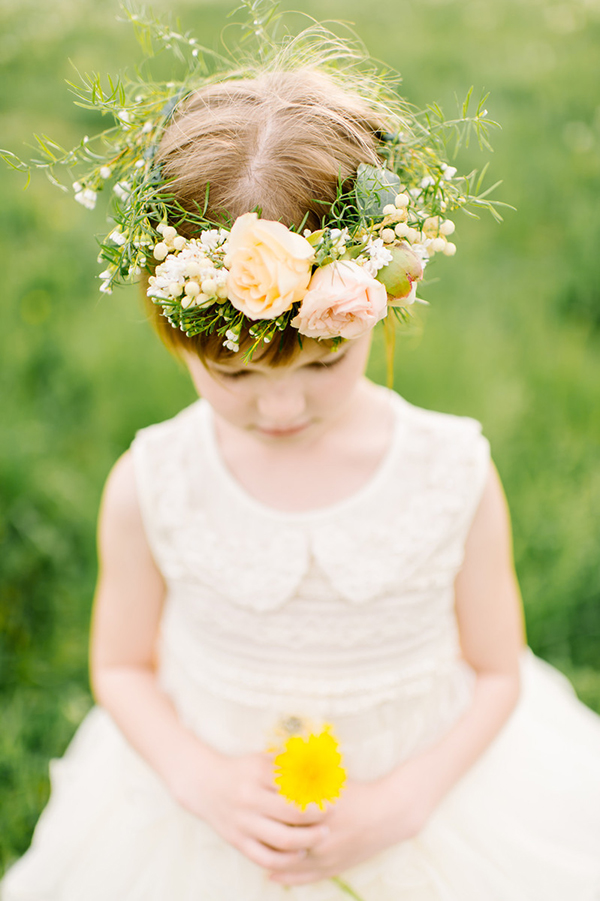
281	142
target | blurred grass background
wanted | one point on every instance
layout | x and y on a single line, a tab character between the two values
513	336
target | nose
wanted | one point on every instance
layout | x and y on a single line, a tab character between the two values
281	403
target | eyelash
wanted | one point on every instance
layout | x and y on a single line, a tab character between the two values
243	373
239	374
319	364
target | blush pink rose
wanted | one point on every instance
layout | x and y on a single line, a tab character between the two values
269	267
342	300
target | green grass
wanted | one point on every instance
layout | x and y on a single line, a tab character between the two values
512	336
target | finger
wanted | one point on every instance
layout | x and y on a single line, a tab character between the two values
279	808
282	837
268	858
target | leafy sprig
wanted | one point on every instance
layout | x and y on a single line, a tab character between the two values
121	158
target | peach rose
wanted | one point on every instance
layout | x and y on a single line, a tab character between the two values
342	300
269	267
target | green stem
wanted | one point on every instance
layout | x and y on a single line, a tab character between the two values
346	888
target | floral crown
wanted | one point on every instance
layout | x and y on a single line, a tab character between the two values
257	277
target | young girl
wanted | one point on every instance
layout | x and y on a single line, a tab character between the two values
304	546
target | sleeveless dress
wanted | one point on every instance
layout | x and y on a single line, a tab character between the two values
344	615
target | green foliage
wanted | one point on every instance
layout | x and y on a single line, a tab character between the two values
512	337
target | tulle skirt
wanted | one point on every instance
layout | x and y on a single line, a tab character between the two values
522	825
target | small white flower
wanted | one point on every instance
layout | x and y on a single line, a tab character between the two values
195	52
449	172
438	245
117	237
124	116
402	200
231	335
213	238
427	182
139	163
86	198
169	233
421	252
106	274
340	238
379	255
447	227
147	127
105	288
105	172
388	235
450	249
122	189
209	286
77	186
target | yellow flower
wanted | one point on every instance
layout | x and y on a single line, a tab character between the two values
309	769
269	267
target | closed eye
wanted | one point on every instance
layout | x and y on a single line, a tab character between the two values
326	363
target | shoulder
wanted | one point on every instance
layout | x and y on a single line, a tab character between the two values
169	430
436	423
130	482
120	507
491	522
444	440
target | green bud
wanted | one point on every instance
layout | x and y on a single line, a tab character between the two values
399	275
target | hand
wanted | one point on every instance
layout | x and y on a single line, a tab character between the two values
369	817
239	800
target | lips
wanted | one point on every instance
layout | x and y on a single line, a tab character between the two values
287	432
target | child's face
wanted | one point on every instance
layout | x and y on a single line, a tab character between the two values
289	402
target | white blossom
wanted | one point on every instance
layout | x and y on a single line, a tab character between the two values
117	237
213	238
122	189
378	256
87	198
105	172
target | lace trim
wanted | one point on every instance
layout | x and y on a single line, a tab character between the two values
409	530
354	690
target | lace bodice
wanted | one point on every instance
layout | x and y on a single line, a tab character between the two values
337	609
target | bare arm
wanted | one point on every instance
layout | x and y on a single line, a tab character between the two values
490	621
127	610
373	816
235	795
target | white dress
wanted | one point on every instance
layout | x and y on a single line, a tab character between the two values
343	615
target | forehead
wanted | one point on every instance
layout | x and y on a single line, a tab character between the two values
310	352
